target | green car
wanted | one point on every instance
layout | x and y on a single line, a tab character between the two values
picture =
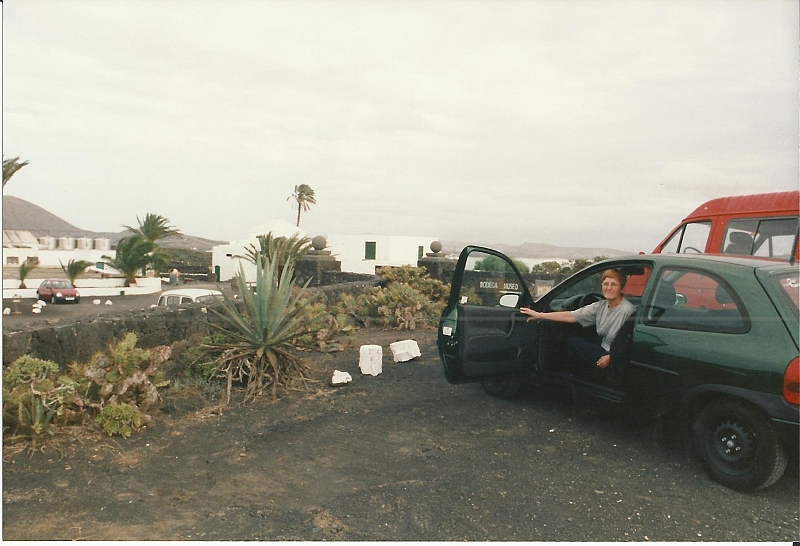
712	337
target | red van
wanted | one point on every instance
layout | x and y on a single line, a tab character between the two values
764	225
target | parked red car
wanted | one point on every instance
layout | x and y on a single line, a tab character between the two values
58	291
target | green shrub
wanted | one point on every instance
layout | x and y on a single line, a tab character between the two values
395	306
33	395
122	419
417	278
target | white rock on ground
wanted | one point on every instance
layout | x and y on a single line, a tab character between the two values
370	359
405	350
340	378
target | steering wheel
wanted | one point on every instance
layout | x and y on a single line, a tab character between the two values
693	249
591	297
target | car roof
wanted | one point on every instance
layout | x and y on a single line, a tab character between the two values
753	262
192	292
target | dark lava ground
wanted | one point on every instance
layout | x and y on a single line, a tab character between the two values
401	456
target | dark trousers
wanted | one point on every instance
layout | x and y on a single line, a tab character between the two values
584	352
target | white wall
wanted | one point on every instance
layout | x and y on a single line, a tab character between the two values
390	250
50	258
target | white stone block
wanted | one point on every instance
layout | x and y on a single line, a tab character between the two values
340	378
404	350
370	359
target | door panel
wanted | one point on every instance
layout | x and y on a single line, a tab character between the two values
480	337
494	340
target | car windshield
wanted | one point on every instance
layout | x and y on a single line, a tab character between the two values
206	298
789	286
61	284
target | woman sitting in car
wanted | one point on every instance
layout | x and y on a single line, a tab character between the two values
607	316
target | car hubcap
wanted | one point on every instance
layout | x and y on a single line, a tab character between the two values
732	443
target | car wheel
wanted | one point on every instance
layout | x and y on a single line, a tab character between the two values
506	387
738	446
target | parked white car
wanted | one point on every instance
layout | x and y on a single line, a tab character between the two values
187	295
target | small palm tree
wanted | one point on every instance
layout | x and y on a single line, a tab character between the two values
264	332
25	270
277	249
11	166
153	228
134	253
304	198
74	269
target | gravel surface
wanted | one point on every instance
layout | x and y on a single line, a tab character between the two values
402	456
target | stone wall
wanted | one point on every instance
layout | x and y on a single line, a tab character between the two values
78	341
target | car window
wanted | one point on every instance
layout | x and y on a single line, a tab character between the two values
208	298
570	295
688	299
173	300
691	237
767	237
487	278
789	286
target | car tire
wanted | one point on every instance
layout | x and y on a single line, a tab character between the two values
738	445
505	387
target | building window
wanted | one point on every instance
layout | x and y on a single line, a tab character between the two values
420	252
12	260
369	250
32	260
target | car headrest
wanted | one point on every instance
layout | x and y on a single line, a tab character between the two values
665	295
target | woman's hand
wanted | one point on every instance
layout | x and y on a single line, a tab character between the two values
532	315
604	361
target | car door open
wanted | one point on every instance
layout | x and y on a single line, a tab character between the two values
482	333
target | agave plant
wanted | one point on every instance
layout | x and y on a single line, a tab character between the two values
263	331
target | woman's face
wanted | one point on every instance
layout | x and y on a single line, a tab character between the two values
612	289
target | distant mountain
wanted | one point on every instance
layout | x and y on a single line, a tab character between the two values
19	214
540	250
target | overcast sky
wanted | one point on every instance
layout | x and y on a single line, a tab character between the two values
585	122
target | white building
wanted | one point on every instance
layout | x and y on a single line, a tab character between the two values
21	246
357	253
362	253
225	259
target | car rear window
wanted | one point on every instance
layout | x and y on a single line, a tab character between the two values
789	285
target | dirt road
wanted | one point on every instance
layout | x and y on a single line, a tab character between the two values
401	456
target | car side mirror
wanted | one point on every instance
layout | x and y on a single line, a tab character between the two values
509	300
680	300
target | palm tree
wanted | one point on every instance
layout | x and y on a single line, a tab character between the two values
304	198
134	253
74	268
153	227
10	166
24	271
277	249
